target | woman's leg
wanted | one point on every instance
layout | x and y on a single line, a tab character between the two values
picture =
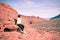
21	26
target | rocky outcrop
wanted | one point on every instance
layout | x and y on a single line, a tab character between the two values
7	16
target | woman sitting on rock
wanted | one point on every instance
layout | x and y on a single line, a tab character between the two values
20	25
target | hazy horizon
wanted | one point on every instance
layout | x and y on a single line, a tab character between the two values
41	8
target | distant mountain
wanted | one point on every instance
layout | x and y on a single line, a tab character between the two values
56	17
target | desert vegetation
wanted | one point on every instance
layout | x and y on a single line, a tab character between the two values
48	25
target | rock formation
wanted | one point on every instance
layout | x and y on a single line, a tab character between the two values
33	19
7	16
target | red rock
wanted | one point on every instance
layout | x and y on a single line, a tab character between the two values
32	19
7	16
11	27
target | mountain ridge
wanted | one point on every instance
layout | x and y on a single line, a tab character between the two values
56	17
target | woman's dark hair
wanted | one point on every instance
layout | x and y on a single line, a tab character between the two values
19	15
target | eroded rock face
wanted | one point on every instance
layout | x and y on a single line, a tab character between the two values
7	16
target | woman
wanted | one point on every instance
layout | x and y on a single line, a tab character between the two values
19	23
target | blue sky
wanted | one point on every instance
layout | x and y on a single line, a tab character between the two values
41	8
